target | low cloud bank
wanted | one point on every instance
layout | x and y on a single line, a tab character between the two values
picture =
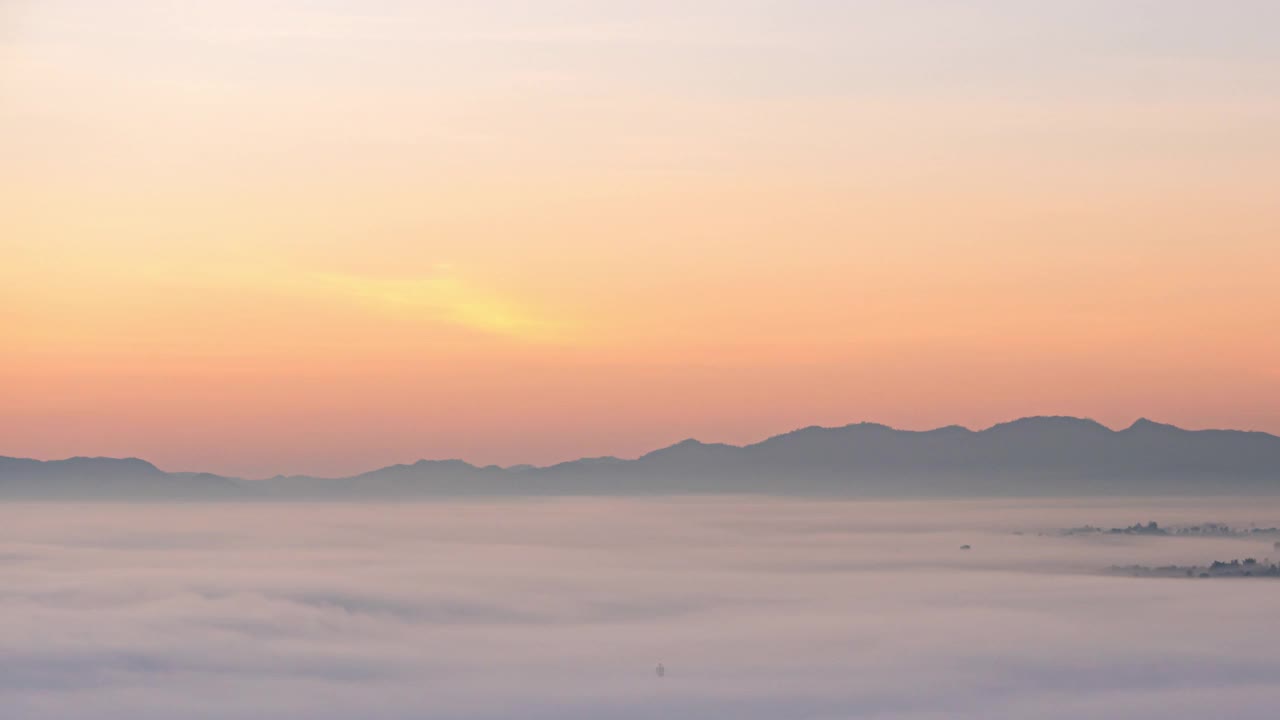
758	608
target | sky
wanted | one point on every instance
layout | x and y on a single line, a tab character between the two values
757	608
320	237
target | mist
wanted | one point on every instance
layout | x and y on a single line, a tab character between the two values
562	608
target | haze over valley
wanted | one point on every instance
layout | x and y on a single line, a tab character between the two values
758	608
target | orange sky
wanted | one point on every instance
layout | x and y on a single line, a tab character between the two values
328	237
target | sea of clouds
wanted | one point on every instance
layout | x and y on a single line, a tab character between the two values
758	608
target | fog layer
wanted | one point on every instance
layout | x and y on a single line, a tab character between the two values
757	608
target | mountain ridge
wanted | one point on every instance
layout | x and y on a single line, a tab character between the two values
1036	455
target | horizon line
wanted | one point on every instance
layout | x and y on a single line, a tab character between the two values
690	440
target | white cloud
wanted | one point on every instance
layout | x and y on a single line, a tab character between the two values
561	609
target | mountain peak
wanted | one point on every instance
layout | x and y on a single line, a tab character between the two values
127	464
1145	425
1049	423
449	464
685	448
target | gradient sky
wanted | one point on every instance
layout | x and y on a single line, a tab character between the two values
258	237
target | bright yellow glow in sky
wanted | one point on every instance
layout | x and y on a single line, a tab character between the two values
323	237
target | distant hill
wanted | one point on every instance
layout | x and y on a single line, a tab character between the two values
94	478
1036	456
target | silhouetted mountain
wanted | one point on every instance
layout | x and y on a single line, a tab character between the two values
99	478
1031	456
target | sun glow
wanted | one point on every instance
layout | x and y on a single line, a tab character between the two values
444	296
